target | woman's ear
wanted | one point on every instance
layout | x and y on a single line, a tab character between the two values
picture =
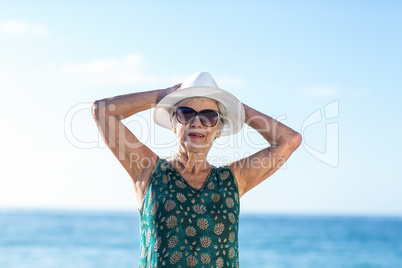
218	134
218	131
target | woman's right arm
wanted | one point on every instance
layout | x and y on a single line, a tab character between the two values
135	157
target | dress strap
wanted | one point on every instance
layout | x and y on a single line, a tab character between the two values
152	177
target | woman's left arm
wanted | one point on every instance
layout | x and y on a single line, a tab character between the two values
252	170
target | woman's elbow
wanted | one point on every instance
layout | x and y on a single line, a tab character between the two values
295	140
96	108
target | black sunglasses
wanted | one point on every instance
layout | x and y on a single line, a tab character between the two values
186	115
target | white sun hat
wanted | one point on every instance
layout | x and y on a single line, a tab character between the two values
202	85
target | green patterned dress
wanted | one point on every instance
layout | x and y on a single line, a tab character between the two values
185	227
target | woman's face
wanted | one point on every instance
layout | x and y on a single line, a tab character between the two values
195	136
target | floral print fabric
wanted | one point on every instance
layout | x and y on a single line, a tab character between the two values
185	227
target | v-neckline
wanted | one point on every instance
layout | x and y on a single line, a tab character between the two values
207	179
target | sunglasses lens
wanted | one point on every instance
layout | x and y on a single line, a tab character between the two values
184	115
209	118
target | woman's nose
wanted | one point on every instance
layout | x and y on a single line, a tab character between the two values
196	121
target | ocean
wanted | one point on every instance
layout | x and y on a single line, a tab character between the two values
47	239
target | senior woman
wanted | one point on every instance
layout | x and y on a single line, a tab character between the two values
189	209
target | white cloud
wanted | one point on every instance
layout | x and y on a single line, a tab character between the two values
128	63
23	28
127	70
321	91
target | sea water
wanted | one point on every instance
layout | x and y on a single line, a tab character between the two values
44	239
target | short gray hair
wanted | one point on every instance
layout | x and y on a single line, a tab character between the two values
221	109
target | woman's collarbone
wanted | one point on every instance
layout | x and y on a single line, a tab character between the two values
196	181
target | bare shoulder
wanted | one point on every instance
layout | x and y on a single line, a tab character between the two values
145	165
254	169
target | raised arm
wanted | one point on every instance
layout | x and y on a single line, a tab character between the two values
252	170
135	157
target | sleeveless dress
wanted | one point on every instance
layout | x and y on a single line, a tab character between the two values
181	226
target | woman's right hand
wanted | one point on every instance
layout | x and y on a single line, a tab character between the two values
172	89
167	91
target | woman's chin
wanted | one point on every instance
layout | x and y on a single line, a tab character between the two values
197	145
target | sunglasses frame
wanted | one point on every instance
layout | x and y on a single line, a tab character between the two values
195	114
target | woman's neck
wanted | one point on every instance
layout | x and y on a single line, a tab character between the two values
191	162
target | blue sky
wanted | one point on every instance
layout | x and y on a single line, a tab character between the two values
291	60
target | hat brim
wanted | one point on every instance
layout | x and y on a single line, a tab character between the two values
234	108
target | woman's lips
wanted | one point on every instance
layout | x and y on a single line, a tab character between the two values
196	135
